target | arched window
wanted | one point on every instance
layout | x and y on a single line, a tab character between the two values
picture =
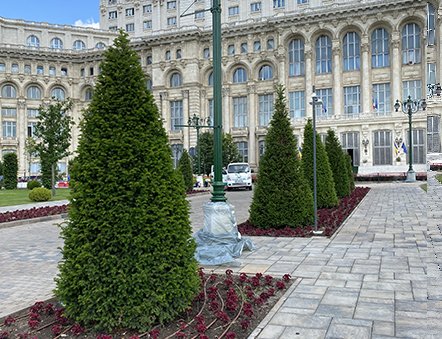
323	49
58	93
296	57
88	94
56	43
352	51
100	45
33	92
240	75
266	73
9	91
210	79
33	41
411	44
176	80
78	45
380	52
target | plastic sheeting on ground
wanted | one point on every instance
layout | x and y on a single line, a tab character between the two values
219	242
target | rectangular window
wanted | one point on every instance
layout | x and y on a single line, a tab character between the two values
270	44
147	8
31	129
302	2
419	156
381	99
130	11
199	15
278	3
113	28
52	71
326	110
177	152
243	149
257	46
231	49
206	53
27	69
147	24
171	4
234	10
64	71
431	75
433	134
431	25
40	70
14	68
171	21
113	15
352	101
297	104
2	67
244	48
382	148
240	113
350	144
9	112
265	109
412	88
255	7
176	115
32	112
211	112
130	27
9	129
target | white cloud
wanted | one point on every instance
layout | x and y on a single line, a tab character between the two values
87	23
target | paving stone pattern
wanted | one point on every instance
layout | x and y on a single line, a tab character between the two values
368	281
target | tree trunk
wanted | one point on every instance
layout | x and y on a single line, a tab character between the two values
53	180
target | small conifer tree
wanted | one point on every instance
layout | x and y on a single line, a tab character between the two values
10	170
185	168
128	255
338	163
282	196
351	177
325	185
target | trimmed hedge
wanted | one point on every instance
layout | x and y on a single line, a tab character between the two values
40	194
10	170
33	184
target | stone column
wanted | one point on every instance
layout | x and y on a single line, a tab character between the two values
396	66
309	81
365	75
187	131
226	108
252	124
338	106
22	133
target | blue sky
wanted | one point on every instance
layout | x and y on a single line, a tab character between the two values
71	12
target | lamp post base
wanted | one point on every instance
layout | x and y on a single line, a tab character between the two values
318	232
411	176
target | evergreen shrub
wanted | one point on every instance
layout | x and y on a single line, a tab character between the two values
338	164
350	174
325	186
128	256
10	170
33	184
281	196
185	168
40	194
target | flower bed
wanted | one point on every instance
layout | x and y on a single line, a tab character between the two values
35	212
329	219
228	306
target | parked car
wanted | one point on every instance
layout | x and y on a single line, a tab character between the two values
239	175
224	175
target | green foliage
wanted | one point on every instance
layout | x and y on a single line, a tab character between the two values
1	174
128	257
33	184
338	164
10	170
351	177
205	144
53	131
282	196
185	168
40	194
325	186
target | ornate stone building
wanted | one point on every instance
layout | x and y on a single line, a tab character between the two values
359	55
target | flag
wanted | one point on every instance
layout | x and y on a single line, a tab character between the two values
396	148
404	148
375	104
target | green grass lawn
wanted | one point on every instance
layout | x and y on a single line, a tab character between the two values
20	196
424	187
439	177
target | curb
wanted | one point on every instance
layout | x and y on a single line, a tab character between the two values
22	222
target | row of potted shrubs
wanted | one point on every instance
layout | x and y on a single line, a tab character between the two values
38	193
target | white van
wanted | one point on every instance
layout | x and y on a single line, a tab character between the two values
239	175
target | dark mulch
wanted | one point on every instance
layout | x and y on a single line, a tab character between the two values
228	306
329	219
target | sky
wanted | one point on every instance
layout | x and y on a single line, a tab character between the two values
66	12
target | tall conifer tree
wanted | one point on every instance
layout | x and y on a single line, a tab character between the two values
325	185
128	256
338	164
185	168
282	196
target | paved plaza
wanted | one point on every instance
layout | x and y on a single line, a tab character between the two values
377	277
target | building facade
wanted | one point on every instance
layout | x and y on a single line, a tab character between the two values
360	56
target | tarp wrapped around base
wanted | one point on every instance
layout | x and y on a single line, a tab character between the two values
219	242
